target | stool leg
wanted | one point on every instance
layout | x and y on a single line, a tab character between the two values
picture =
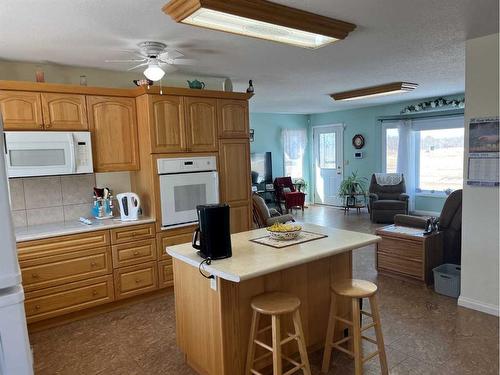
356	328
304	359
378	333
276	328
251	344
329	334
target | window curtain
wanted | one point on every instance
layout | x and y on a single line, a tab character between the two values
294	144
406	159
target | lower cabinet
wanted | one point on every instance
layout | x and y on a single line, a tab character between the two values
63	299
133	280
165	273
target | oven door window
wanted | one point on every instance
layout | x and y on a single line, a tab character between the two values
181	193
187	197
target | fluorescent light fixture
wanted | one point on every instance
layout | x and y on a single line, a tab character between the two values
375	91
153	71
260	19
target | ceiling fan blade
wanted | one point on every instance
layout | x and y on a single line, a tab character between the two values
138	66
174	53
168	68
125	61
184	62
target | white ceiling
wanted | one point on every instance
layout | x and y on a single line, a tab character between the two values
396	40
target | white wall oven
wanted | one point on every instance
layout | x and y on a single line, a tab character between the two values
47	153
184	184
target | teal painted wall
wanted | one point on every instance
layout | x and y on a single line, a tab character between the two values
364	121
268	126
267	138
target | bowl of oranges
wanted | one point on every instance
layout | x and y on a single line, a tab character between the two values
284	232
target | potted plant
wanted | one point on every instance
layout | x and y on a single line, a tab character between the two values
300	184
352	185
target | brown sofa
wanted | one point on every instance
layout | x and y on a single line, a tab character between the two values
450	223
386	201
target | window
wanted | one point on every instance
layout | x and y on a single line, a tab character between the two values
391	153
294	144
434	153
327	151
441	155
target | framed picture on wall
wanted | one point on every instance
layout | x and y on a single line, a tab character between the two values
252	131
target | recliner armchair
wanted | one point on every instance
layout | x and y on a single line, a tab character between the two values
265	217
450	223
286	193
386	201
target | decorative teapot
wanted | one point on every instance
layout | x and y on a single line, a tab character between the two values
196	84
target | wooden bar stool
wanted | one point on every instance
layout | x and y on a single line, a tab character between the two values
276	305
355	290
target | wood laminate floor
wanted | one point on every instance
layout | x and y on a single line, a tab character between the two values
425	333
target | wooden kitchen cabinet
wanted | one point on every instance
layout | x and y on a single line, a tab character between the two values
21	110
113	124
234	171
134	280
201	124
233	118
168	133
64	112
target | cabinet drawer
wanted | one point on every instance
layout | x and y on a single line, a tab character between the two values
133	280
61	269
134	252
165	239
38	249
132	233
401	248
50	302
165	273
400	265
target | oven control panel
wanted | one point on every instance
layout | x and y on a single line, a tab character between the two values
185	165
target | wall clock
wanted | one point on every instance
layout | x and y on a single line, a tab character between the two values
358	141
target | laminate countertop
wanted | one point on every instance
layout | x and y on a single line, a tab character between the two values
36	232
251	259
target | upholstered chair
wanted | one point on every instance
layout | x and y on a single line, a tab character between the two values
386	201
265	217
450	223
287	194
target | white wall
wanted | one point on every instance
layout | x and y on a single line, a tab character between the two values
480	223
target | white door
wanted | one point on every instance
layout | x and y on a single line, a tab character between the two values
328	163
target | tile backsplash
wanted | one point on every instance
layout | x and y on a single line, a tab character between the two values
44	200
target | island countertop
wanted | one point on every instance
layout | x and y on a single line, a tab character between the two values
251	259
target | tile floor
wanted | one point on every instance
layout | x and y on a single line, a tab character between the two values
425	333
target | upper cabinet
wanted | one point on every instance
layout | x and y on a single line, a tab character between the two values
21	110
233	118
113	124
168	132
25	110
64	112
201	124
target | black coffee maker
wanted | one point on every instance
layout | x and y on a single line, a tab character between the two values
213	236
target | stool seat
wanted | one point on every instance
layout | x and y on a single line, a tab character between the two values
275	303
354	288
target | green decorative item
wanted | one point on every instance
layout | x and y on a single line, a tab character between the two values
353	185
300	184
196	84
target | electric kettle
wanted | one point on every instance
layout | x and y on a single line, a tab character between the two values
129	206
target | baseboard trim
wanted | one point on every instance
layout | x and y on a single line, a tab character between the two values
479	306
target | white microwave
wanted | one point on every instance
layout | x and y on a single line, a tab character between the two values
47	153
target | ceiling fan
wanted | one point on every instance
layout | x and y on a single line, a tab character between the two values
157	58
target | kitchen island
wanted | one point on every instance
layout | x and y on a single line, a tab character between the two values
213	315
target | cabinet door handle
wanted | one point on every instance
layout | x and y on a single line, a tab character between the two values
137	281
95	292
37	307
93	264
35	276
136	253
48	126
41	126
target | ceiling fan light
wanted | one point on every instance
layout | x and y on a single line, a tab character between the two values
154	72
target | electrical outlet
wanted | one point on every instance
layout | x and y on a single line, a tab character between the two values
213	283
